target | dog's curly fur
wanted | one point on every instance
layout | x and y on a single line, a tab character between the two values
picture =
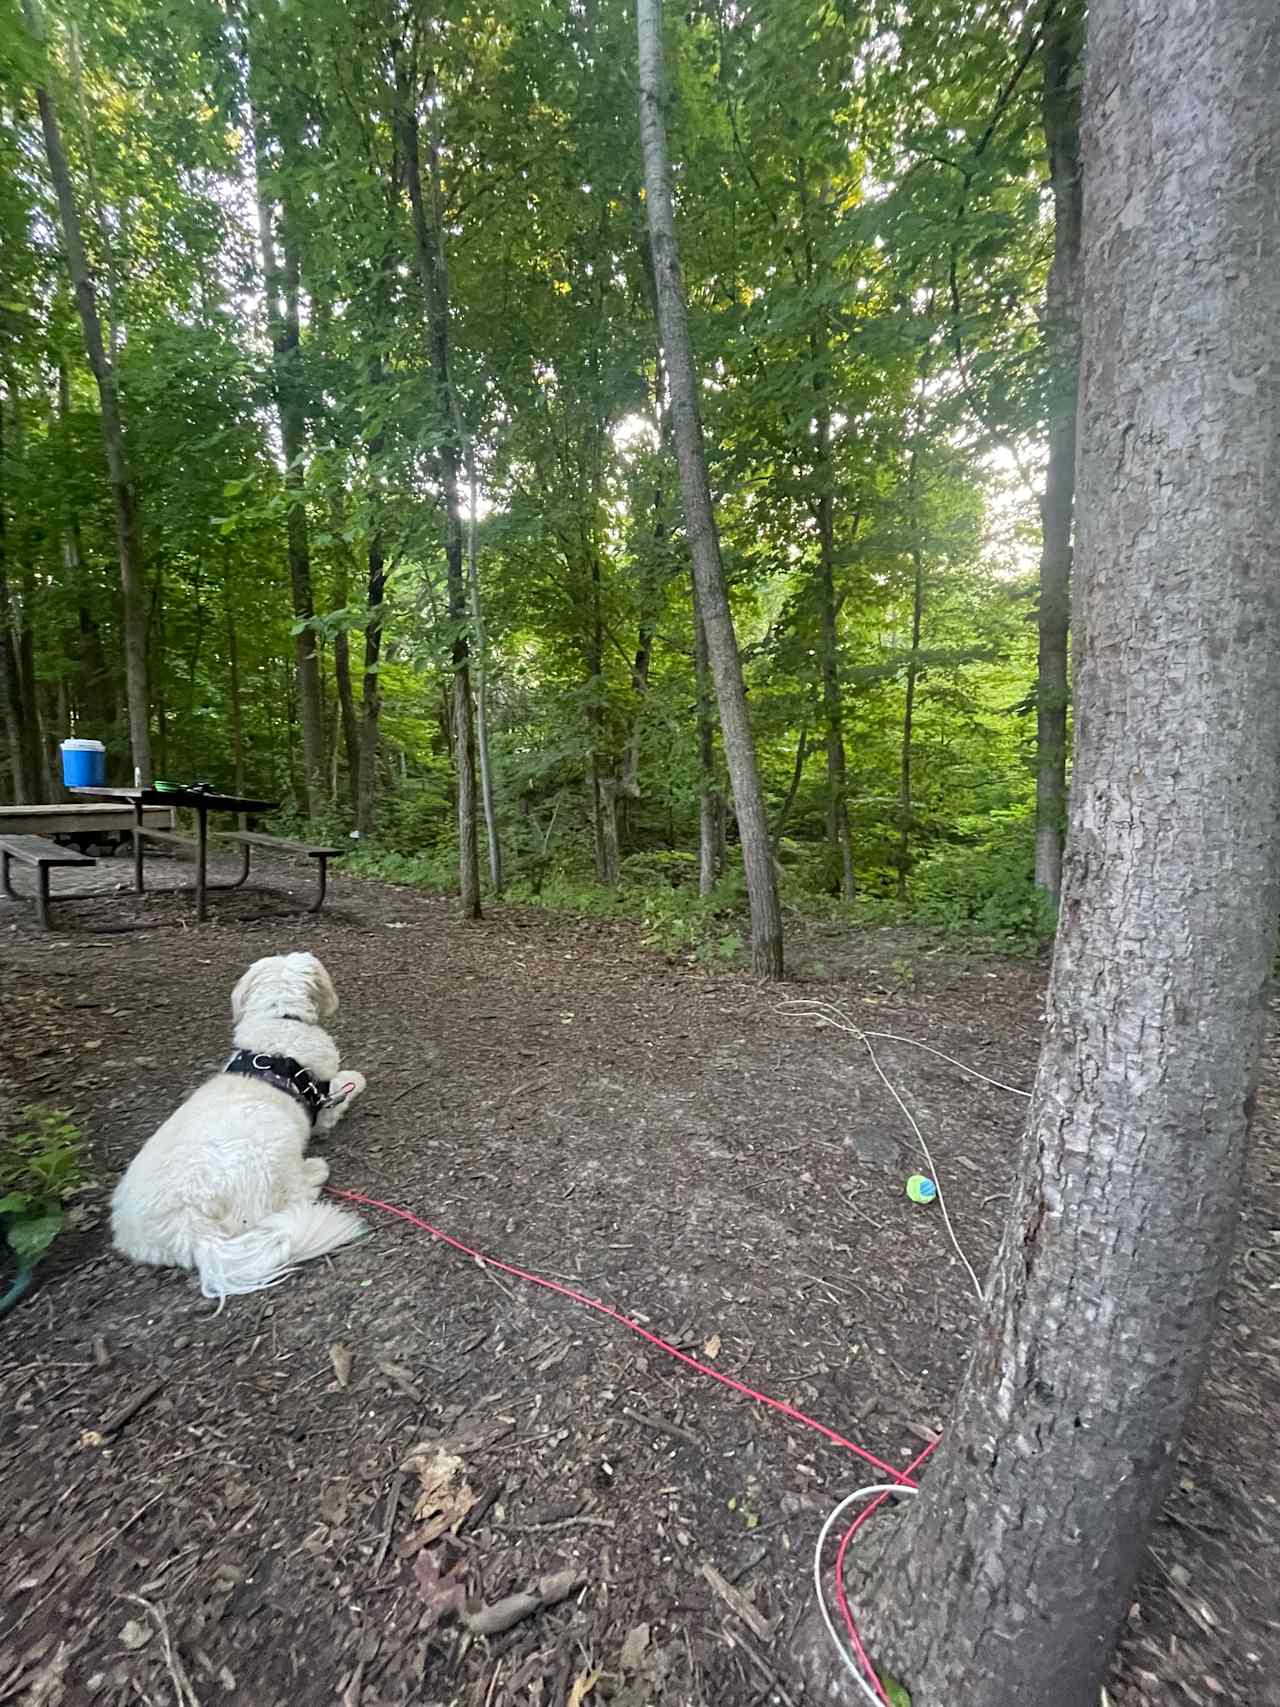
225	1186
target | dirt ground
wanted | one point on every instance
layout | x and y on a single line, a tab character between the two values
210	1508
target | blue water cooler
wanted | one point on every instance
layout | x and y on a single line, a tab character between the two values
84	764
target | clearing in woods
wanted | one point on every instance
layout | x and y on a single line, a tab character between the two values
671	1141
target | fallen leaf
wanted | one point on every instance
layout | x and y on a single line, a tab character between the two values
634	1648
340	1357
712	1347
443	1593
445	1496
334	1504
135	1635
582	1687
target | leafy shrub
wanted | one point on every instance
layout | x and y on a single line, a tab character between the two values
436	869
986	884
675	866
41	1170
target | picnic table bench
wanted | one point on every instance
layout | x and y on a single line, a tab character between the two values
40	854
247	840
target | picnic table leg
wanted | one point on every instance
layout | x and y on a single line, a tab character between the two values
42	896
323	862
202	855
137	847
4	876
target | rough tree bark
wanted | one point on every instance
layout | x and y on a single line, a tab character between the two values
1005	1581
23	777
234	692
710	806
342	678
1063	32
700	523
366	786
913	676
908	724
428	231
281	288
475	605
123	496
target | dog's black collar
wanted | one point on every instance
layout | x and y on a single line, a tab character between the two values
285	1074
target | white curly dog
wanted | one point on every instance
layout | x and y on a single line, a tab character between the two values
225	1185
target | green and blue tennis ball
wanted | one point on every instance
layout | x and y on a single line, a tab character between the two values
921	1189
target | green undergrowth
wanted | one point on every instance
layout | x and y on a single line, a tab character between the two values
978	890
42	1168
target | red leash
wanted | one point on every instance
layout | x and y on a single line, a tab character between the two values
905	1478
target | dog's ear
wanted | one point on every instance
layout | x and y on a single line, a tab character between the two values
244	989
322	984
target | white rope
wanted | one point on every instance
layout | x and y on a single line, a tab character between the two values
826	1013
841	1647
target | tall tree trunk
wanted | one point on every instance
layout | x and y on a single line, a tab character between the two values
1006	1580
342	678
913	674
700	524
476	606
710	807
784	811
838	832
282	288
94	696
28	685
234	692
1064	28
16	714
124	500
371	697
429	245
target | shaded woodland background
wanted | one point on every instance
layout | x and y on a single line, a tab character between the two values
377	302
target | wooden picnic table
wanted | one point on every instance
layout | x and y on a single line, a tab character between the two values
201	802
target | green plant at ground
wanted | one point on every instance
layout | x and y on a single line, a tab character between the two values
42	1167
984	884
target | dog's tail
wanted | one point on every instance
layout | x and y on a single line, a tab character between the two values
264	1255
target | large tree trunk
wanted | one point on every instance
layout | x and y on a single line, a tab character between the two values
428	231
710	806
1062	46
234	694
17	716
1006	1580
839	835
366	783
342	678
913	675
476	607
700	524
132	579
281	288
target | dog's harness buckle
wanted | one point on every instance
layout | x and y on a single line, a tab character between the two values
288	1075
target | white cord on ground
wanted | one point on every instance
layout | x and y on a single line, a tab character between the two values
828	1014
841	1645
892	1037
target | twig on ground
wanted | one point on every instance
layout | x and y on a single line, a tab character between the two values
389	1521
662	1426
765	1670
739	1605
126	1413
182	1686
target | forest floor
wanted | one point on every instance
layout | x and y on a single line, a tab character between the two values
678	1143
